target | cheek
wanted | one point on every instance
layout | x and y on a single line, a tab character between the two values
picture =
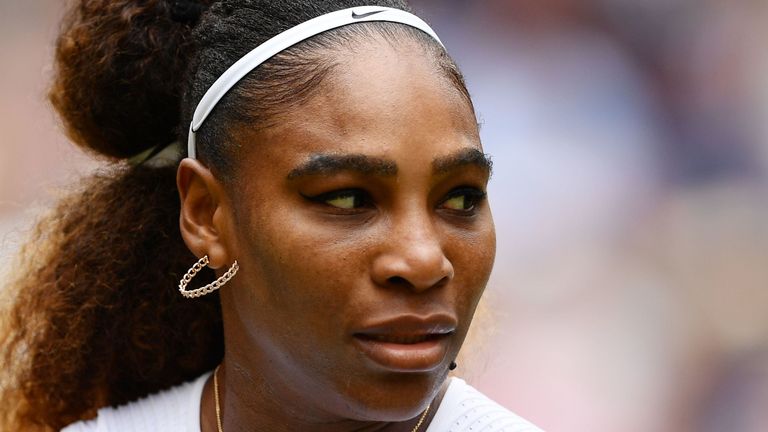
299	268
292	293
472	256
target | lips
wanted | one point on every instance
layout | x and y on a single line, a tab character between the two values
400	339
406	343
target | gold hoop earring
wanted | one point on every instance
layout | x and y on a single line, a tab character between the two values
211	287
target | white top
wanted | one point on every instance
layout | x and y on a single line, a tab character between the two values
463	409
174	410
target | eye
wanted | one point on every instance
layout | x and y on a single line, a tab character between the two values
463	200
348	199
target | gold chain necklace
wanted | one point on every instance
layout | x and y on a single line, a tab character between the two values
216	397
218	406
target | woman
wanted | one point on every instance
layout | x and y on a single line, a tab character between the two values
332	202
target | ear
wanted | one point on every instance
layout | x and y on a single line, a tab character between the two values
205	218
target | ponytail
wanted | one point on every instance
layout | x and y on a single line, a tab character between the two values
92	316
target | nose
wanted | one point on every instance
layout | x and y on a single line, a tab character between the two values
412	257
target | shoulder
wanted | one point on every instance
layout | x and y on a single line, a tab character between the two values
174	410
465	409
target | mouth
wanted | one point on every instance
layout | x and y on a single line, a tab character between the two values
407	344
401	339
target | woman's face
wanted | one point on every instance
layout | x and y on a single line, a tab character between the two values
364	241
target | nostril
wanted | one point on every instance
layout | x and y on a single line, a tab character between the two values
397	280
401	281
412	272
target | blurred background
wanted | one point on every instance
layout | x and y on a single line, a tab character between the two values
630	141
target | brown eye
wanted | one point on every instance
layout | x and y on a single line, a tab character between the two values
463	200
348	199
456	203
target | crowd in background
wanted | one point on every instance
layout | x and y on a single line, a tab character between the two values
630	142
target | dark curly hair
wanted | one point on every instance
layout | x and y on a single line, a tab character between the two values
93	317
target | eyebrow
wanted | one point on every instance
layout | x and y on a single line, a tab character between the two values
329	164
464	157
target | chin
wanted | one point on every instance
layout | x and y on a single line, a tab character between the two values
394	397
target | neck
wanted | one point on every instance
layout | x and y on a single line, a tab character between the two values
241	409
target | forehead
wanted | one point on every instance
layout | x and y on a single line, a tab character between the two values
378	100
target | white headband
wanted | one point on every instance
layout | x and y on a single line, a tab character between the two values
287	39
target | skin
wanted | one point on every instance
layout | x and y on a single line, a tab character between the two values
388	125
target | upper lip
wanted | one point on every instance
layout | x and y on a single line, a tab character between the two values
409	325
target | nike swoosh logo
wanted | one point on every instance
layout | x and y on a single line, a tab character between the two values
358	16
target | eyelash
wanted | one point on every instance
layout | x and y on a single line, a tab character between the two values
473	195
362	200
359	195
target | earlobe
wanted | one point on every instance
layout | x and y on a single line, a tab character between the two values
203	218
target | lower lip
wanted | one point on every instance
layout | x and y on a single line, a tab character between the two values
419	357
